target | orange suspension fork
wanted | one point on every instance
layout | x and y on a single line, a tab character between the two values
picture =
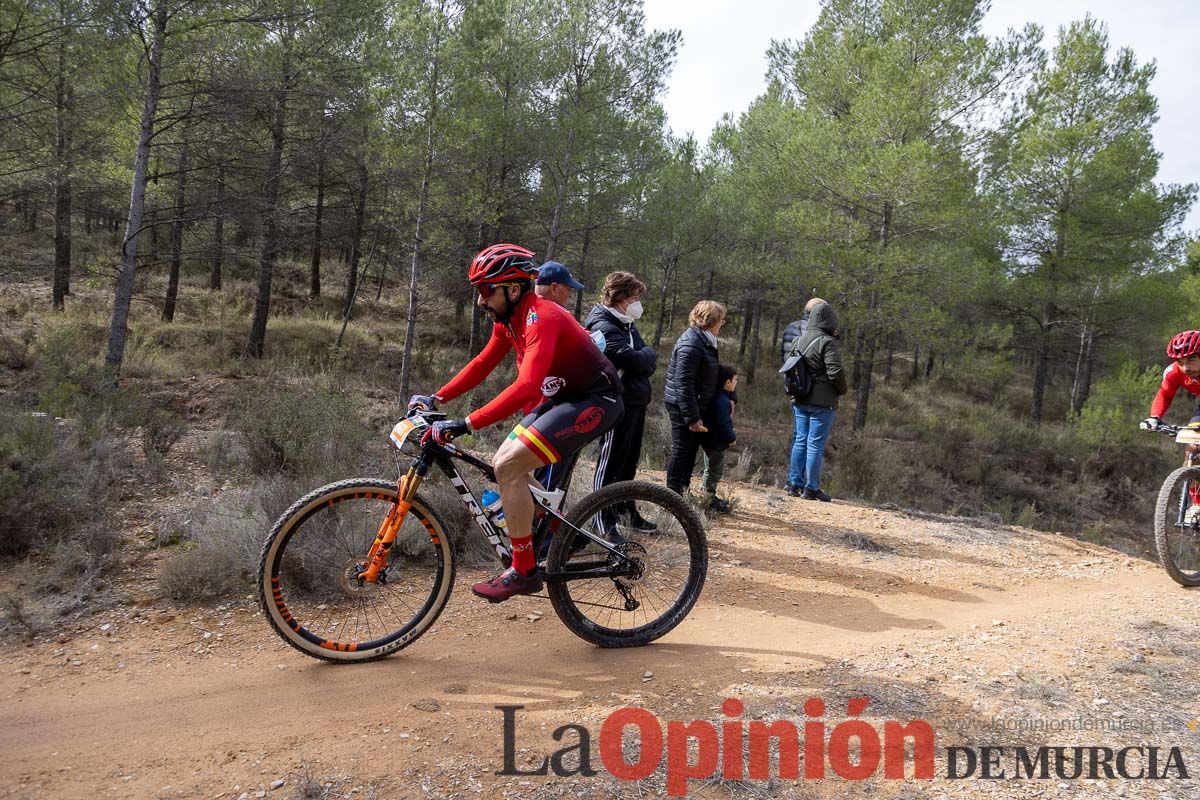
386	537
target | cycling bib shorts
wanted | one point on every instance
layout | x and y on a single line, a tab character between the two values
553	431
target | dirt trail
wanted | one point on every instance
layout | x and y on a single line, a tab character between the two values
932	619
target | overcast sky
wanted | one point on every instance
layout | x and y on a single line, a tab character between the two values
722	62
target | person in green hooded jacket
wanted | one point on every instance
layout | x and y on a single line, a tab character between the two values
814	416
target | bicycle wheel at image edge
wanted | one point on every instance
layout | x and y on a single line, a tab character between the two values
674	560
1178	547
307	574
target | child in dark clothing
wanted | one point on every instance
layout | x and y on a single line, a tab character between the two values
720	436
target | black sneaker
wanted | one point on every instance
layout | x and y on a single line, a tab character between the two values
608	530
816	494
719	506
793	491
643	525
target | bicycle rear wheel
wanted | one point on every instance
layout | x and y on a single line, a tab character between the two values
307	575
1178	543
672	562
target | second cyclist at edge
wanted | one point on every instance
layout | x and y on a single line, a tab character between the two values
571	392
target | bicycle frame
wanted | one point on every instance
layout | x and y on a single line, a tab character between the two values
432	453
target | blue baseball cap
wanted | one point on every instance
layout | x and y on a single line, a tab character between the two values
554	272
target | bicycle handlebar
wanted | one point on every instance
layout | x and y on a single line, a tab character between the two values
1166	430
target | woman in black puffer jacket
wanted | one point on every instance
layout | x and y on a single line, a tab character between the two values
613	321
691	387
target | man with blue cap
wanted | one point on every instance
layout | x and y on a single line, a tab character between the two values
555	282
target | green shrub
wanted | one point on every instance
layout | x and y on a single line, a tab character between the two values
202	573
1118	401
18	616
223	540
223	452
161	429
80	562
52	481
309	431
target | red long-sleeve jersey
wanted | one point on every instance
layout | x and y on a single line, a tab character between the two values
555	356
1173	379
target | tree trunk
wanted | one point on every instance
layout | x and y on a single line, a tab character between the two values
150	260
414	277
474	346
270	248
754	343
1077	370
1041	364
916	357
560	198
151	220
662	302
929	363
125	274
891	355
862	389
1081	386
314	269
63	106
360	215
583	260
168	312
674	302
214	277
708	286
747	322
384	262
860	347
869	332
775	327
62	239
1089	365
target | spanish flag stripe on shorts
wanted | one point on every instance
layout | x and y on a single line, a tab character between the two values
534	441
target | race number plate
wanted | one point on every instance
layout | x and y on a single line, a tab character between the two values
404	428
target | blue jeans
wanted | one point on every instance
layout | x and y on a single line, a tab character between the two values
813	424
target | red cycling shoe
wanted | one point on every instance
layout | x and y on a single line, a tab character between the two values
509	583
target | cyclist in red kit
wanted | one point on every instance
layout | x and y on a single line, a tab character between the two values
1184	373
570	391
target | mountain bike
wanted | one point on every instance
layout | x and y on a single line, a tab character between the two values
361	568
1176	532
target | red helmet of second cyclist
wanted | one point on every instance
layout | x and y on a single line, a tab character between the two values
1183	345
501	263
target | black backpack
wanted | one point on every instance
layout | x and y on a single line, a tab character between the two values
797	374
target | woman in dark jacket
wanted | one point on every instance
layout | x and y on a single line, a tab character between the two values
814	417
691	387
613	324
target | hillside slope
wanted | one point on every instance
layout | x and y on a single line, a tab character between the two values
975	629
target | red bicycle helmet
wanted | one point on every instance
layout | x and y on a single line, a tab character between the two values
1184	344
501	263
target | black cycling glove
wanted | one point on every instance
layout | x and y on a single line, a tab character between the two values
444	431
423	402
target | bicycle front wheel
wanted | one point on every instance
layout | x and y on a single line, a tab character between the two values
1177	539
670	555
308	582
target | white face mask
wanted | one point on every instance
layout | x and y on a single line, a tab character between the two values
634	310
